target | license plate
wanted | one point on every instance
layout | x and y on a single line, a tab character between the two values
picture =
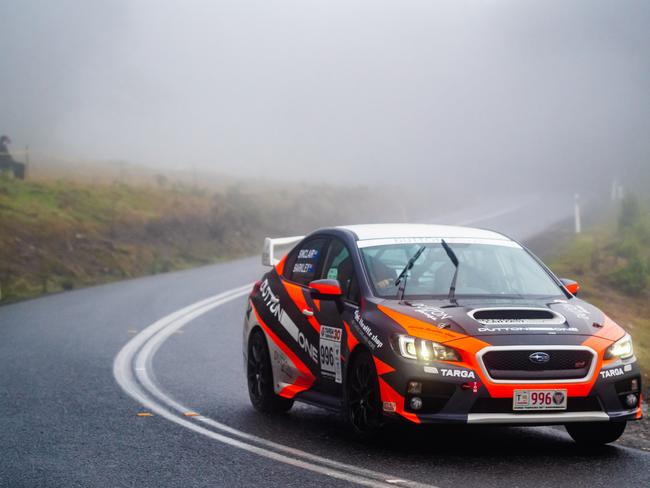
539	400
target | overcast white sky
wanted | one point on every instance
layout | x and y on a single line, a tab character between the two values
391	90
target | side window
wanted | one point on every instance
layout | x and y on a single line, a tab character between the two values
305	261
339	266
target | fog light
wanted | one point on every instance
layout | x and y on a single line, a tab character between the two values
414	387
631	400
416	403
634	384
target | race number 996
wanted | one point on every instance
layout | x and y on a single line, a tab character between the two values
330	352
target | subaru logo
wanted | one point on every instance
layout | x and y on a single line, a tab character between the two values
539	358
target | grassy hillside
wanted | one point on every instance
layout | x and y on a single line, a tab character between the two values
612	263
58	235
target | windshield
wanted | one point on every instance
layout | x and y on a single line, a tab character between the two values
484	270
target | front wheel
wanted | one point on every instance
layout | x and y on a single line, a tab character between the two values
363	402
595	433
260	377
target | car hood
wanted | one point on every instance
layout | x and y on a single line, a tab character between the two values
499	317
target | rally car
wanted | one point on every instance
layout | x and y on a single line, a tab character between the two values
434	324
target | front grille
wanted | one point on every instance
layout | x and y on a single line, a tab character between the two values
516	365
504	405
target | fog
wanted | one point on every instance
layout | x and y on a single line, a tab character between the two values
422	92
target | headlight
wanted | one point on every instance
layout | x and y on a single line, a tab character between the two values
424	350
621	349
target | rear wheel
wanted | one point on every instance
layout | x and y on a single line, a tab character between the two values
595	433
363	402
260	377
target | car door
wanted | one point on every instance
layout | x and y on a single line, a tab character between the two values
332	315
303	265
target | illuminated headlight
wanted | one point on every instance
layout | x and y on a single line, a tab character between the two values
621	349
424	350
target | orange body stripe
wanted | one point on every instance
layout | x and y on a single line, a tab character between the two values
298	297
420	328
610	330
279	268
352	341
306	378
388	394
382	367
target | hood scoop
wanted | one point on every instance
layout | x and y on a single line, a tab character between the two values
516	316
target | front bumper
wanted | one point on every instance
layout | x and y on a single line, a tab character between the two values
451	394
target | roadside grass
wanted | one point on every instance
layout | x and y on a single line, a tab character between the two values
58	235
610	261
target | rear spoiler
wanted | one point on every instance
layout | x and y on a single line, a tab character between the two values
268	255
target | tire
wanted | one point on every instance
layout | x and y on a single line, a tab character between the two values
595	433
362	399
260	377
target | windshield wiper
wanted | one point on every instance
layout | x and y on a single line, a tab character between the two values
454	259
403	276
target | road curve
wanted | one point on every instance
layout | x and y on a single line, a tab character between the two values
78	367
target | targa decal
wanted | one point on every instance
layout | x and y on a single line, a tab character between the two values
454	373
608	373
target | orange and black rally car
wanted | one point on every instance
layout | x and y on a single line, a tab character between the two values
432	324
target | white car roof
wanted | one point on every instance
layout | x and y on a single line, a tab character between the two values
414	231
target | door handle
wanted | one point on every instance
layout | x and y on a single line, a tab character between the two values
308	312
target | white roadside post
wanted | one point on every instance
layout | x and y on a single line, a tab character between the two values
576	212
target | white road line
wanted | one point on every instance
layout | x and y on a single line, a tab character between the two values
137	355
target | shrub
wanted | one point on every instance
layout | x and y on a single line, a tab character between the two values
632	278
630	214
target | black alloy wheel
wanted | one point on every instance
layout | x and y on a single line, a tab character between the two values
363	402
260	377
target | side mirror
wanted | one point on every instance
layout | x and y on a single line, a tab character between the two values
327	288
572	286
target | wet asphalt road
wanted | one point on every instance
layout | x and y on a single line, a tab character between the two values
66	422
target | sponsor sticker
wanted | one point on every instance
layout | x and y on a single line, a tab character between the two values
359	324
283	362
271	301
304	343
435	314
577	310
330	352
308	254
303	268
390	407
528	329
